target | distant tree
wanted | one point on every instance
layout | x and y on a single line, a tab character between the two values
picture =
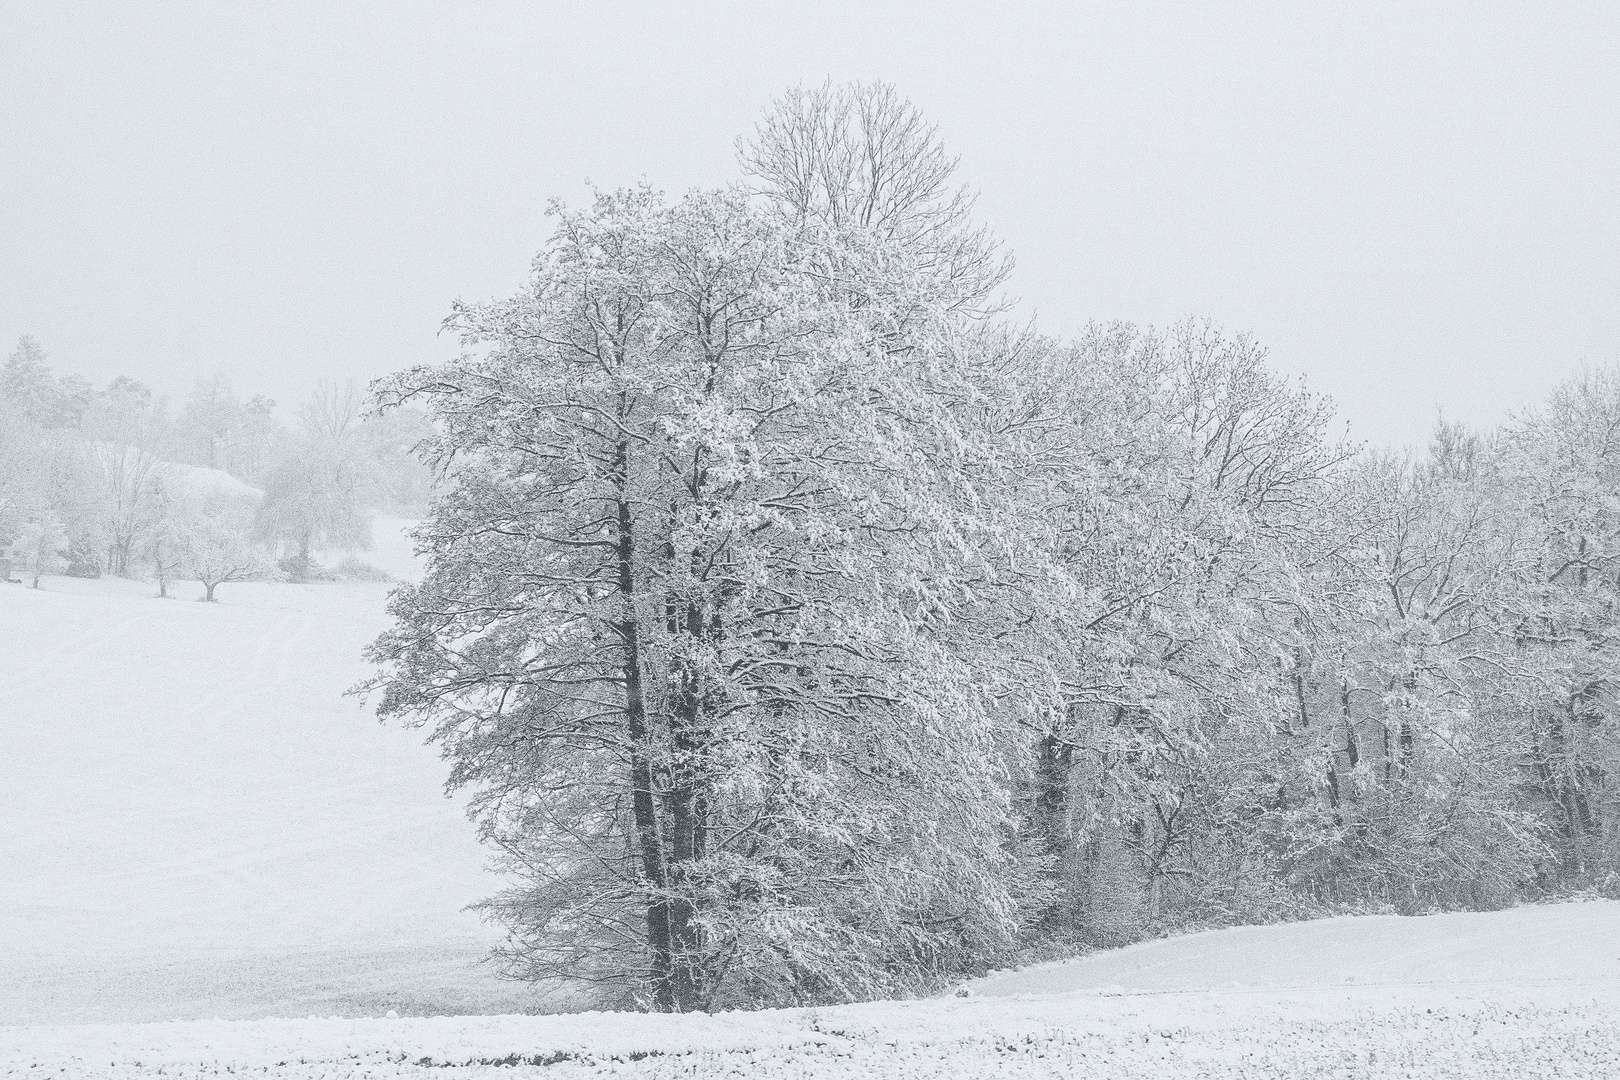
40	548
210	423
217	548
126	412
333	413
166	541
74	398
259	438
402	485
27	382
128	475
318	492
25	468
79	496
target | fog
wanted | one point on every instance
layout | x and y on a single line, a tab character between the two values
1411	204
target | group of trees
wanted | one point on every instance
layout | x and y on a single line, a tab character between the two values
804	631
107	481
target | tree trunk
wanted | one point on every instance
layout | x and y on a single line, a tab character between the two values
1054	762
649	832
1350	747
686	813
1299	688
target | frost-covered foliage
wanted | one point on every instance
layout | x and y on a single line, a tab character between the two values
1333	681
699	623
805	633
317	487
39	548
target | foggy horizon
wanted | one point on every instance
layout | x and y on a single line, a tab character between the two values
1413	210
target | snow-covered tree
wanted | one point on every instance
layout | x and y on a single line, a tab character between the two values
26	381
804	632
39	548
320	488
216	544
128	501
25	469
166	546
1561	467
690	627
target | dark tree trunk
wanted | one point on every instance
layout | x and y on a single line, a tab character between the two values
1053	761
687	825
668	920
1349	724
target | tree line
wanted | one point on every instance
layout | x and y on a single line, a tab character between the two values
108	481
805	630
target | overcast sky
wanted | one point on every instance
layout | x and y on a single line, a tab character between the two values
1416	205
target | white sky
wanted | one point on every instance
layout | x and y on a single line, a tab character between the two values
1415	204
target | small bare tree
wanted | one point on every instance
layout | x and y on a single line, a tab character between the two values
40	547
166	543
217	548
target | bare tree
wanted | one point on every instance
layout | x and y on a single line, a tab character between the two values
128	474
217	547
858	157
40	547
166	541
317	494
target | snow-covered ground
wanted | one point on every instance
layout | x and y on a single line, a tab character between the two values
194	821
1528	946
1314	1002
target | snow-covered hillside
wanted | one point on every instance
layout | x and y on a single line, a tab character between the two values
1452	1015
199	482
198	823
1541	944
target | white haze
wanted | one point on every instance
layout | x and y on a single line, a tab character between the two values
1411	203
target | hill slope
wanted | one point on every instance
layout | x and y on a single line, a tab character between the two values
198	823
1556	943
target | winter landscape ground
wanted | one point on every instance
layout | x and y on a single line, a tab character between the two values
215	864
198	823
1524	993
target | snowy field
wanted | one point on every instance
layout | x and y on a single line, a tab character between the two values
194	822
1374	997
